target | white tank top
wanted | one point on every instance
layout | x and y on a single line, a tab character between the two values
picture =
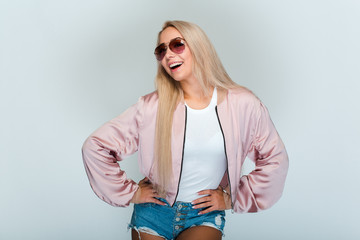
204	162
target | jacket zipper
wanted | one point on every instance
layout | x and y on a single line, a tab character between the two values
182	157
227	160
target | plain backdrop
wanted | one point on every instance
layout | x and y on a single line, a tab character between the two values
66	67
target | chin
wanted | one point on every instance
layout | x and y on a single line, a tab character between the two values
178	79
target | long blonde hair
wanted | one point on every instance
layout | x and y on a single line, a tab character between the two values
207	69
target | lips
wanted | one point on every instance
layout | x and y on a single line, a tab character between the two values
175	65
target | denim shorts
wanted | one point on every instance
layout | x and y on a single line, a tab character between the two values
168	222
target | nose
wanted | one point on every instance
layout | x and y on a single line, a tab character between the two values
169	54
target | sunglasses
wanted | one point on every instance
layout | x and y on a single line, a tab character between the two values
176	45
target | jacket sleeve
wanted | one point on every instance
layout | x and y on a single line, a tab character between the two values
263	187
110	143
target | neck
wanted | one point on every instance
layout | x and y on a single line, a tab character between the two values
194	95
193	90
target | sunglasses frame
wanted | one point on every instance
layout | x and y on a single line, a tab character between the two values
170	45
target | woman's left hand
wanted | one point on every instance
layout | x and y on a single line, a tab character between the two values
216	199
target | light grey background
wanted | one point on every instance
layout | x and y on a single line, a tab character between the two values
66	67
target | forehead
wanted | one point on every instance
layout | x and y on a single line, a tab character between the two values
168	34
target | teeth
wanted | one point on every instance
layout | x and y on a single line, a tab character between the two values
175	64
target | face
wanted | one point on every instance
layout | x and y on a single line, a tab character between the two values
177	65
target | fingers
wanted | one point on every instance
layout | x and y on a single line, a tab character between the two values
202	205
149	191
152	198
210	191
157	201
205	192
213	201
147	194
202	199
207	210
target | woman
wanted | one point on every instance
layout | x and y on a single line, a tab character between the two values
192	136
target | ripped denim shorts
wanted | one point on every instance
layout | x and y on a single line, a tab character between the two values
168	222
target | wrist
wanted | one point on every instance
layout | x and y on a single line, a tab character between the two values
135	197
227	199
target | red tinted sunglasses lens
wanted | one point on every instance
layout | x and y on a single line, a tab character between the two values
176	45
160	51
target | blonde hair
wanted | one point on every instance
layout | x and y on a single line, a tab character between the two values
207	69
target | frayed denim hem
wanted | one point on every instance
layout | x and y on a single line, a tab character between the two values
144	230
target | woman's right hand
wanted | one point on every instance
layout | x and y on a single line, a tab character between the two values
146	193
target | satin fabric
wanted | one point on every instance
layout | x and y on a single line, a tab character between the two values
248	131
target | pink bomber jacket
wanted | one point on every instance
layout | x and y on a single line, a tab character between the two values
247	130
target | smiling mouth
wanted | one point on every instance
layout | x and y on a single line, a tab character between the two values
175	65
